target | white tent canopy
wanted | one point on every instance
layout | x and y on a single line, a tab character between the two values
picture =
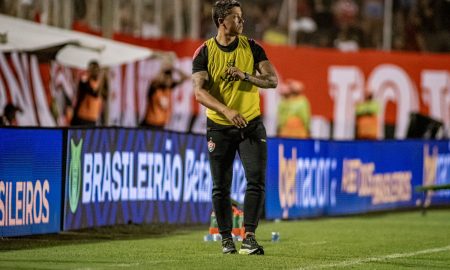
22	35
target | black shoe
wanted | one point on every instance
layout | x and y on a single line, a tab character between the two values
228	246
251	247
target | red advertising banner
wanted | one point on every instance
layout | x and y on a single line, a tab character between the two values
334	82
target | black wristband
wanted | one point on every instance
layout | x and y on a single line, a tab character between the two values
246	77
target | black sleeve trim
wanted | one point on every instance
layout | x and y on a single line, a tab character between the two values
259	54
200	62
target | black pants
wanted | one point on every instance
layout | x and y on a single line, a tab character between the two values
250	143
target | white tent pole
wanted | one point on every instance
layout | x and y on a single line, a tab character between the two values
195	19
67	11
45	12
387	25
56	15
116	10
177	19
19	9
158	15
137	23
107	19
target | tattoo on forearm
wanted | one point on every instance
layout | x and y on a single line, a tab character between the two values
264	81
199	79
266	77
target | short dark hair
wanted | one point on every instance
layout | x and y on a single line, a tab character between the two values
10	111
93	63
222	8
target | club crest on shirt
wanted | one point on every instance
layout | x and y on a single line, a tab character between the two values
227	77
211	145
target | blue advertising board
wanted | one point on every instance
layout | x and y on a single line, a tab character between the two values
122	176
30	181
308	178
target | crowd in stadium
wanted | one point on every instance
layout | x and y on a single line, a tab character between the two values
417	25
347	25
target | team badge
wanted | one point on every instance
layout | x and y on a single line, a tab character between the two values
211	145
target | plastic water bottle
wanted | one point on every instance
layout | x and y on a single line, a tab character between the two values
237	238
217	237
275	236
207	237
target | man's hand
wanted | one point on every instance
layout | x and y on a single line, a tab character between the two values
202	95
234	117
266	78
235	73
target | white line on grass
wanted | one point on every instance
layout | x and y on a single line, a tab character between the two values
378	258
125	264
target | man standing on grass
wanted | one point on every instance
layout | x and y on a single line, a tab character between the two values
226	82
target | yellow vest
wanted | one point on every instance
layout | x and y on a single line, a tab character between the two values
236	94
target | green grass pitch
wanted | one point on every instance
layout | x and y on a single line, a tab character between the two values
400	240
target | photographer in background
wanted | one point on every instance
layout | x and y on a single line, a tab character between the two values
159	97
92	92
367	113
294	111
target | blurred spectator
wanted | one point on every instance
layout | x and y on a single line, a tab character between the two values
283	106
272	31
126	15
150	29
26	9
61	108
325	23
433	16
294	111
418	25
94	14
92	91
159	96
168	25
367	118
80	9
372	22
9	115
87	15
348	35
348	38
406	27
276	36
305	26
